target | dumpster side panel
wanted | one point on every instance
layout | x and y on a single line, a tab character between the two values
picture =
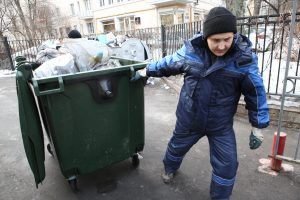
88	135
31	128
137	117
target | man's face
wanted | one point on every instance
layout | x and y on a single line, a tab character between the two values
220	43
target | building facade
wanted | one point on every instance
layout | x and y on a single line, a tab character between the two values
102	16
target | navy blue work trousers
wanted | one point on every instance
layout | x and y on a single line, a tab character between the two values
223	157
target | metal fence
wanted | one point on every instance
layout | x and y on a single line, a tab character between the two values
10	49
268	34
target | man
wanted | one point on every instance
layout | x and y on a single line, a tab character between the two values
74	34
219	66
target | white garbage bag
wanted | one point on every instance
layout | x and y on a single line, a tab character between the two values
46	54
88	54
63	64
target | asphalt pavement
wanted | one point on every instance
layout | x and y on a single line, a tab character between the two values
123	182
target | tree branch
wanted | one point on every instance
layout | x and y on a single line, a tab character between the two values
272	6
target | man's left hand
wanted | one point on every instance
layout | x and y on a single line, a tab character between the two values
256	138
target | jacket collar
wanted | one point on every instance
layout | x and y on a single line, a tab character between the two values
240	53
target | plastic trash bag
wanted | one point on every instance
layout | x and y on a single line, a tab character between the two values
88	54
47	44
46	54
63	64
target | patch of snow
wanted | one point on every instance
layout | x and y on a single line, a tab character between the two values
273	76
265	167
7	73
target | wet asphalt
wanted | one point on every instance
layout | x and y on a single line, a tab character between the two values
122	181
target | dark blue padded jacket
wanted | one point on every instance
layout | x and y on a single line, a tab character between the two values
211	90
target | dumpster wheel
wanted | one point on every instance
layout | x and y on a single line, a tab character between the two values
135	160
50	149
73	184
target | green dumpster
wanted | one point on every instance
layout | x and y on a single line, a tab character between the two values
92	119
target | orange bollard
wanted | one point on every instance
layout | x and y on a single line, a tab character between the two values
276	163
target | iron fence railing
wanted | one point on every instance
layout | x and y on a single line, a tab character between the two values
268	34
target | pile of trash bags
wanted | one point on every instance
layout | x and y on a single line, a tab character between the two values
83	54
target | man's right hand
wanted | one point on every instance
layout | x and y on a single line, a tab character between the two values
140	74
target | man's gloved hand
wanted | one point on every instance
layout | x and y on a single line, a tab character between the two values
256	138
140	74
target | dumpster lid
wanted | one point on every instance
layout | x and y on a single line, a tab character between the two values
31	128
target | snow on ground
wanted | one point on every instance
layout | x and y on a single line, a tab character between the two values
271	73
7	73
273	77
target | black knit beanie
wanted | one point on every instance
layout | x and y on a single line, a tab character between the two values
74	34
219	20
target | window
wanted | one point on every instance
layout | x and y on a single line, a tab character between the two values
109	26
127	23
110	2
179	17
137	20
167	19
72	8
90	27
102	3
87	4
197	17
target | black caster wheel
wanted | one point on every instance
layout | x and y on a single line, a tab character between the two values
73	184
50	150
135	160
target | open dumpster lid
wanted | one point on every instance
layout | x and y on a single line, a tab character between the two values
31	127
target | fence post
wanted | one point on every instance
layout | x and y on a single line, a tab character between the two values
163	41
8	53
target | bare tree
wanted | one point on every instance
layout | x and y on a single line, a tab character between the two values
34	18
257	5
23	20
236	7
32	7
280	6
5	22
45	13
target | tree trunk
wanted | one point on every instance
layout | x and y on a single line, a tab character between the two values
236	7
32	7
257	5
22	17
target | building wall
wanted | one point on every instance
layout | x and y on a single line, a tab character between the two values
129	14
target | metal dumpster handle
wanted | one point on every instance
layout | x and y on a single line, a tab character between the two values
50	91
132	72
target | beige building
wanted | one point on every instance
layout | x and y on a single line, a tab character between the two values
101	16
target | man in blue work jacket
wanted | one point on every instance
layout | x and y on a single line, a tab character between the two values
218	67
